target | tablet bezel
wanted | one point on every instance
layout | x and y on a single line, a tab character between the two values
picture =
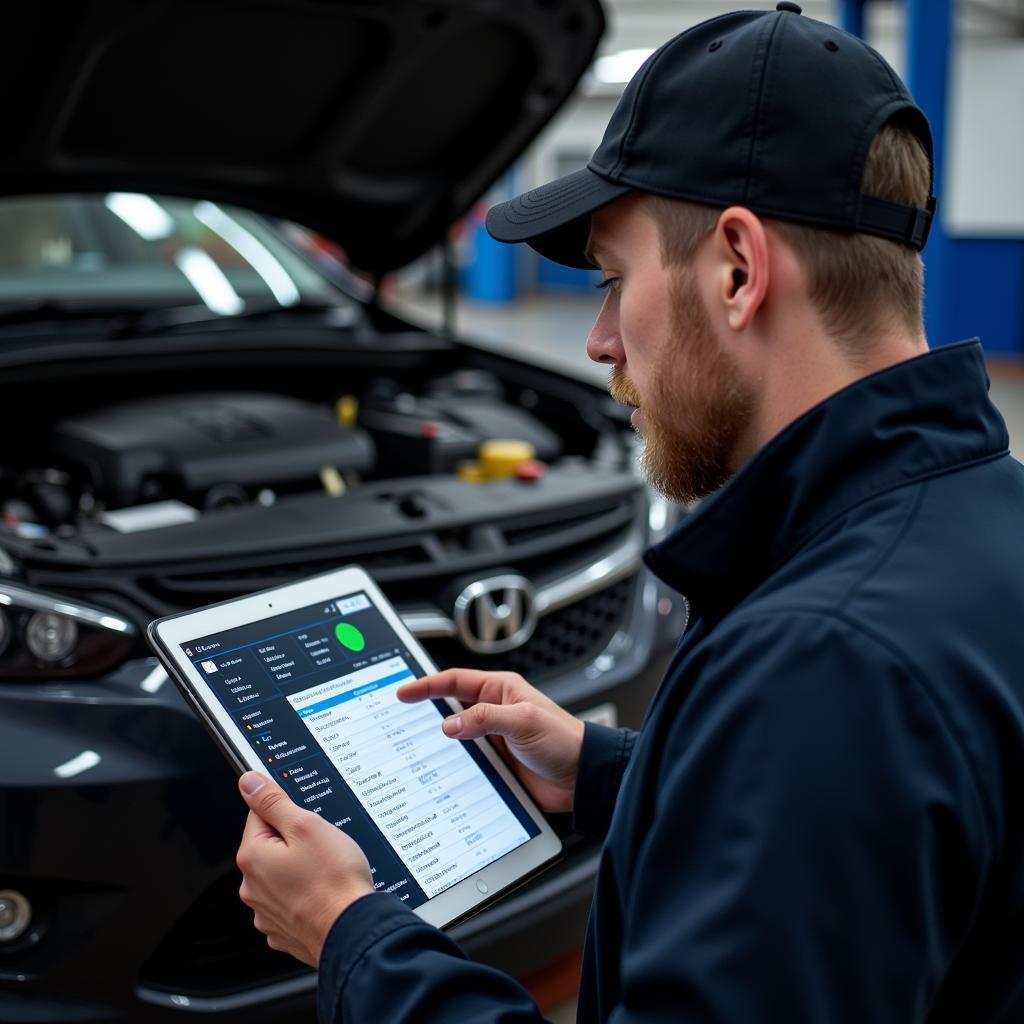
167	635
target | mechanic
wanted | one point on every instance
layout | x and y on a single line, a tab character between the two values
821	818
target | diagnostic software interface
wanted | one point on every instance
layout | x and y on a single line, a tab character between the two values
313	691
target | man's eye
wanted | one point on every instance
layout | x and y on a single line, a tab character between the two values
607	282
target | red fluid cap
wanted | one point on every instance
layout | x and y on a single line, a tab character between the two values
531	470
429	429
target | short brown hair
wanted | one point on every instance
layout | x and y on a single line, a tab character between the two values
857	282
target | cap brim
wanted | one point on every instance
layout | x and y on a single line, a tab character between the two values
555	218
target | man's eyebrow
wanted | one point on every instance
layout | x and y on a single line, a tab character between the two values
592	250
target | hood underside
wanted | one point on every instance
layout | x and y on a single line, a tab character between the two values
375	122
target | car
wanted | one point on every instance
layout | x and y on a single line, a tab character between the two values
197	401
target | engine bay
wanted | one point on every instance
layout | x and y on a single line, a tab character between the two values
142	463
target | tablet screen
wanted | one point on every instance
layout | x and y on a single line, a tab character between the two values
313	692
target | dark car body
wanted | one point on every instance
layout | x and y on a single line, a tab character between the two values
294	436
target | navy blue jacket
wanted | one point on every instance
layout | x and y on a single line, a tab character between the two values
821	819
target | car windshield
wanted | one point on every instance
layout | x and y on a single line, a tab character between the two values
149	251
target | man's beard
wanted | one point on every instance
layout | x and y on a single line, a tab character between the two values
698	407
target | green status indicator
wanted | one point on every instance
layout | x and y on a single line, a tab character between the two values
350	637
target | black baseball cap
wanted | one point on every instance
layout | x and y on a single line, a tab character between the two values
764	109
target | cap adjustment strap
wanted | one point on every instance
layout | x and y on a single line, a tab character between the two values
896	221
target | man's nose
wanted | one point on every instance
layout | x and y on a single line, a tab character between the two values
604	345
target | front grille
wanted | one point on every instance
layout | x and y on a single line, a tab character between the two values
191	589
564	640
214	949
615	514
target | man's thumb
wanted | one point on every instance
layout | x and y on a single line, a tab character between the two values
267	799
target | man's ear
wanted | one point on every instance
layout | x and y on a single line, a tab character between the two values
741	255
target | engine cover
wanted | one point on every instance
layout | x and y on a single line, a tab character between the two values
183	445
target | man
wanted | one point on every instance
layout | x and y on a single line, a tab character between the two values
821	818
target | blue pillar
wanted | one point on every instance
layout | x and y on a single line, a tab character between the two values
492	273
851	17
929	53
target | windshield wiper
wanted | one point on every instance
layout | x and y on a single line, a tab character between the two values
55	311
182	319
125	321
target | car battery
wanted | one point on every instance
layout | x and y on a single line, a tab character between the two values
432	435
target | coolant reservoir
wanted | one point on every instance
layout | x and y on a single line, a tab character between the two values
499	458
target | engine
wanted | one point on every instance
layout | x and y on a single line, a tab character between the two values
165	460
208	450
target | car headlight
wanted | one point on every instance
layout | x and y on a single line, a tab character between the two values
51	637
15	915
43	636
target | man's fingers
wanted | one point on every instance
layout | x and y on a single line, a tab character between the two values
516	721
466	684
412	692
270	802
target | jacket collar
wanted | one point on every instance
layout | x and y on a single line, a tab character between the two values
916	419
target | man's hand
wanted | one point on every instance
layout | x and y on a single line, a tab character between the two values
540	740
299	871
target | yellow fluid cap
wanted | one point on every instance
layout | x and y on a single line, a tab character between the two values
470	472
500	458
346	409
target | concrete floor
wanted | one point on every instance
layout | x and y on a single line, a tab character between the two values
552	330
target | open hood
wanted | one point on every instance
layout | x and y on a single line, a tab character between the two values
375	122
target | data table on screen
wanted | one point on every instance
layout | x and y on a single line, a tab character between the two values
423	790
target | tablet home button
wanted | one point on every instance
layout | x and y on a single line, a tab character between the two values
482	885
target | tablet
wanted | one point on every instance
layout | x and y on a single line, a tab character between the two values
299	682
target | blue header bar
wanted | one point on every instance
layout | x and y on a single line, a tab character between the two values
359	691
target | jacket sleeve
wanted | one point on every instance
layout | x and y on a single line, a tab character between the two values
383	964
817	845
603	761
